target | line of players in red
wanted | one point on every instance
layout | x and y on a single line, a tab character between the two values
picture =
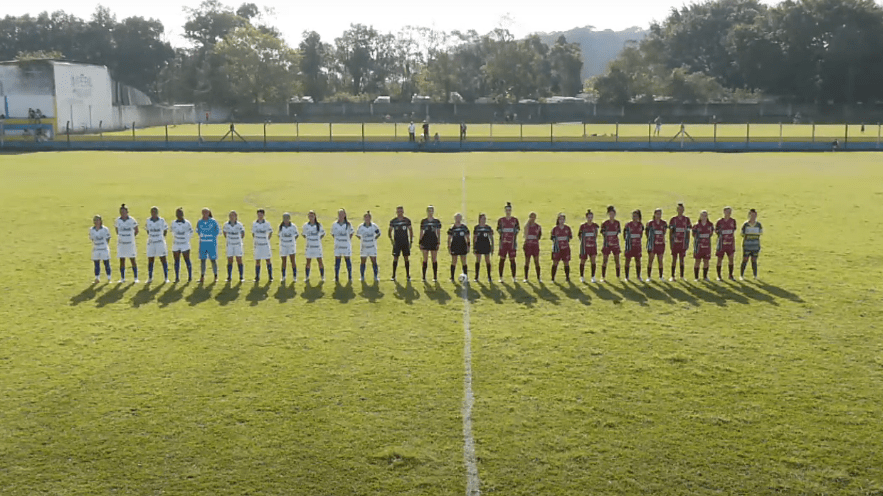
679	230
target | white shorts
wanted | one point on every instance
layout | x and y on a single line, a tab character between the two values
263	252
180	247
314	252
286	250
157	250
343	251
369	251
234	250
101	254
126	250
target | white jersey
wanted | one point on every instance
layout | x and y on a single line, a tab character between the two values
288	240
156	241
234	234
182	232
343	243
313	235
369	235
100	243
261	230
126	237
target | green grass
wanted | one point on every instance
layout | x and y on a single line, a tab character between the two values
686	388
527	132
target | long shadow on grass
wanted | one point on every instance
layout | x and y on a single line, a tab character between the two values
575	293
491	292
114	295
146	294
472	293
724	290
228	293
630	292
200	294
371	292
754	294
87	294
653	291
343	292
437	294
603	292
313	293
781	293
172	295
519	294
697	290
542	292
406	293
284	293
258	293
674	290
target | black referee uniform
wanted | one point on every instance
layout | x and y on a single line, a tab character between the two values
459	246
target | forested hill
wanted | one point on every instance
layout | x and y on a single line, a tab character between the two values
598	47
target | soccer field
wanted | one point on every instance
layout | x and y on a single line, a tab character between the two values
323	389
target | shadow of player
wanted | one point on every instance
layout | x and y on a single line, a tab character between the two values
472	294
284	293
654	291
630	292
172	295
371	292
751	292
343	292
575	293
228	293
146	294
406	293
258	293
520	294
491	292
544	293
698	290
603	292
200	294
313	293
87	294
113	295
723	289
673	289
779	292
437	294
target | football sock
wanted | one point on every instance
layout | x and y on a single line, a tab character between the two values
336	268
424	270
453	269
202	266
408	269
705	272
537	266
477	269
165	269
526	270
466	271
307	272
190	268
513	268
731	269
554	270
488	271
567	272
638	270
395	265
177	268
696	272
673	266
617	271
283	272
122	270
135	271
215	267
649	271
107	267
502	265
593	269
435	270
241	271
660	272
582	269
270	271
322	272
257	272
718	271
294	271
604	271
150	269
627	269
742	269
229	271
754	266
376	269
349	268
682	269
362	270
97	267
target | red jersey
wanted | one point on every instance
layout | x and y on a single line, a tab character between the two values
610	229
508	229
679	234
726	233
588	235
532	234
702	234
561	236
656	233
632	235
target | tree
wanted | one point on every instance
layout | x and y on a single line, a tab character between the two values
313	65
567	65
210	22
260	67
364	58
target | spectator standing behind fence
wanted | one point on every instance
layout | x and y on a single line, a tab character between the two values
412	131
426	131
658	122
462	131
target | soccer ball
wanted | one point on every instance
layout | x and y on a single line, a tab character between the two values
464	278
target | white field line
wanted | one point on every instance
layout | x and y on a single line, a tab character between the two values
472	480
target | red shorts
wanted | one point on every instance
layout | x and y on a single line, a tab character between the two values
657	250
561	256
588	252
703	254
727	250
634	253
507	250
607	250
531	249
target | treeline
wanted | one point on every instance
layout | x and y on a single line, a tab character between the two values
801	51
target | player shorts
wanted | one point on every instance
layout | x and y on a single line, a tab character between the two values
208	251
263	252
126	250
702	254
507	250
561	256
482	248
634	253
401	248
531	249
343	251
234	250
368	251
587	252
429	246
726	250
607	250
103	254
180	247
313	251
746	253
157	249
286	250
656	250
459	250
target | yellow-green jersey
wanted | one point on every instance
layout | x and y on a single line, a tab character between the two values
751	238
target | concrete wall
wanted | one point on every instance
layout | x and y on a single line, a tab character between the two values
26	86
152	115
83	96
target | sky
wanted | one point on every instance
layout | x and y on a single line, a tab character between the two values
294	17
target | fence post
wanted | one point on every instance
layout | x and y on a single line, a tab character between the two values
551	133
492	131
167	134
521	132
813	132
265	134
682	133
396	131
363	137
617	132
199	130
296	130
584	131
133	130
878	135
100	132
330	135
780	135
845	135
715	134
67	131
747	134
649	134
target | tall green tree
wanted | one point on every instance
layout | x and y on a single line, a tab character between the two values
260	67
314	64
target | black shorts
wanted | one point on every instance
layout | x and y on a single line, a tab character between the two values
401	248
482	249
429	243
750	253
459	250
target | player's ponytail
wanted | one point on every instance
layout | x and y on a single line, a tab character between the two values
638	213
509	205
611	208
124	207
589	212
